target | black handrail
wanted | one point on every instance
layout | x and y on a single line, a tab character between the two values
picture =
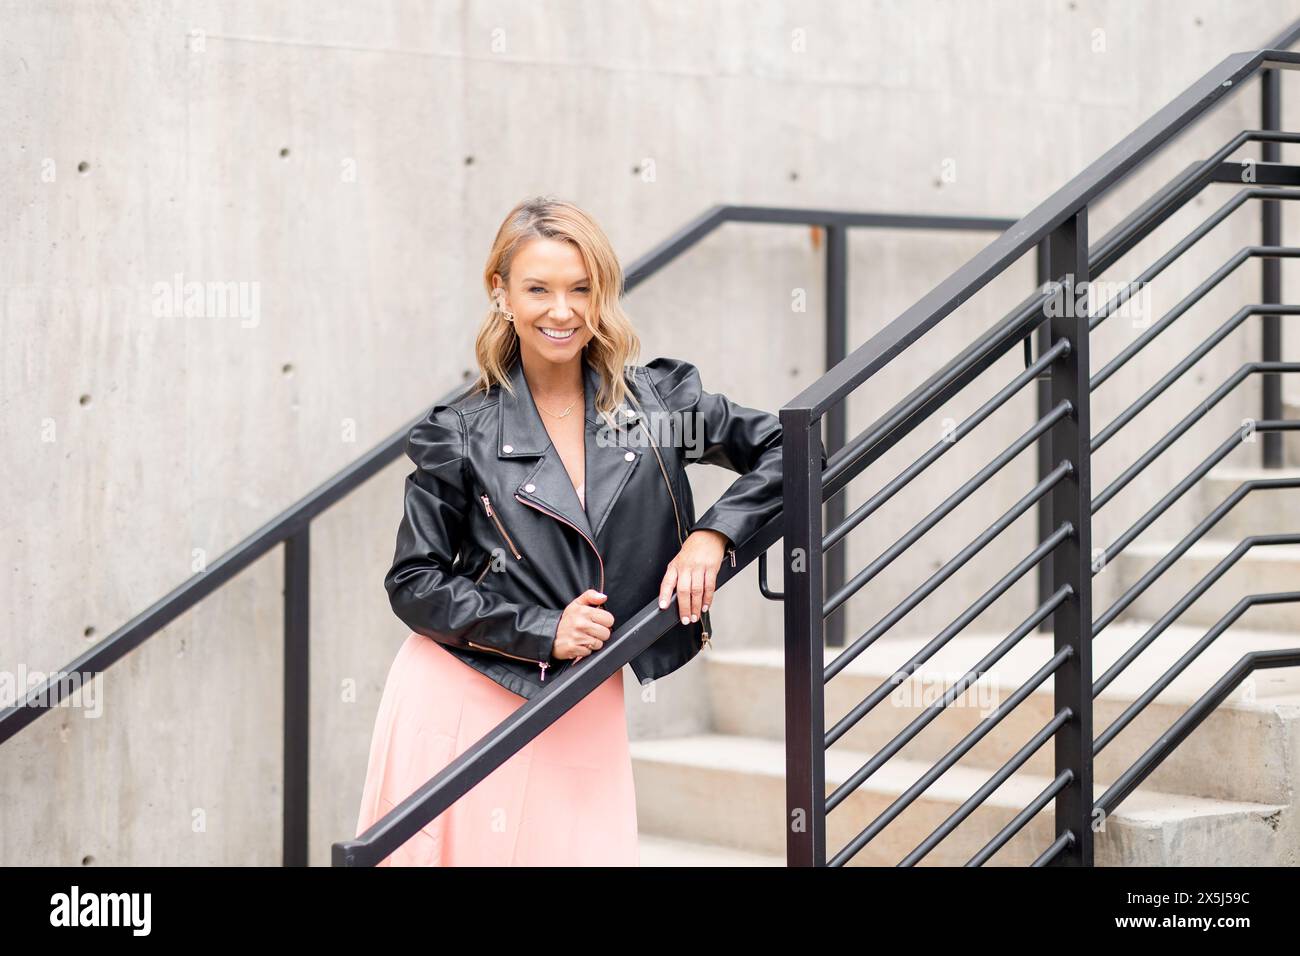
1057	231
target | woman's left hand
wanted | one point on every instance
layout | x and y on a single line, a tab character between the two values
694	572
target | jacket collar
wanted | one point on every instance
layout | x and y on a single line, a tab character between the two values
522	435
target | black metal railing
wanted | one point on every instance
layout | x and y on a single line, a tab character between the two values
292	529
1057	232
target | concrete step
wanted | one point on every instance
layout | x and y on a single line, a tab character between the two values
1262	511
730	790
1244	751
1261	569
665	851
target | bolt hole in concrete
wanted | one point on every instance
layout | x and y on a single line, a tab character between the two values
83	166
287	368
284	151
89	631
84	400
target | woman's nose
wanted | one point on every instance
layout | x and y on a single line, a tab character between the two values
561	311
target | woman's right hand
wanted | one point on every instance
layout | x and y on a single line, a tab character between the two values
584	626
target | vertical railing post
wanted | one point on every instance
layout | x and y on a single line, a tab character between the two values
1043	447
805	661
1067	255
297	673
837	347
1271	235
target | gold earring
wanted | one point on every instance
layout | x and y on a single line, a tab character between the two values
500	309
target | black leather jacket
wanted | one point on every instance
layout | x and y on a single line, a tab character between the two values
494	542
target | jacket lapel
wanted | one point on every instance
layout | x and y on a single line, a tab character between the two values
608	463
523	435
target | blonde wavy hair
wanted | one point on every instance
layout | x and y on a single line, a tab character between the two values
614	343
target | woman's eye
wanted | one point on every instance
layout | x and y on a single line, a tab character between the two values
536	288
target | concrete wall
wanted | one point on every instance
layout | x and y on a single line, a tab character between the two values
346	166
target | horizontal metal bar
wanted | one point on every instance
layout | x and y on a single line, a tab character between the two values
860	579
1152	393
1180	665
1017	823
1050	481
1195	236
955	753
1150	213
801	216
1061	843
1226	448
1017	760
1190	419
1124	238
1182	728
1253	171
955	627
872	504
1141	342
922	720
1186	601
1159	568
1281	59
920	403
699	228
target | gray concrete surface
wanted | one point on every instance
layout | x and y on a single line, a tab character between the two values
346	166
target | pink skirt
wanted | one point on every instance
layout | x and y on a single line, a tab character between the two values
565	799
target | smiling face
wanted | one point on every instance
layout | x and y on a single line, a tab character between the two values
549	294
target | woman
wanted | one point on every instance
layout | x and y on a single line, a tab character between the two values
548	504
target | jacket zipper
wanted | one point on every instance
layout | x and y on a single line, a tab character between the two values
706	626
584	535
575	528
483	647
487	506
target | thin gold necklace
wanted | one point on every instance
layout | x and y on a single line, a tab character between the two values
566	411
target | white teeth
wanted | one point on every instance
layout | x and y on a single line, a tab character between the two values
558	335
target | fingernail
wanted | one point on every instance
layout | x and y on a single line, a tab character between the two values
694	618
703	608
662	604
686	620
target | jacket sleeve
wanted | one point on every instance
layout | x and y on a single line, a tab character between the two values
423	591
745	440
